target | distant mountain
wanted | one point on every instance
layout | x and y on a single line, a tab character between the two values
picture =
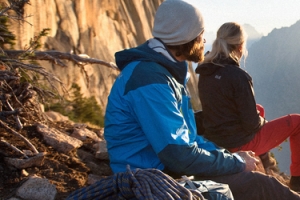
253	35
274	64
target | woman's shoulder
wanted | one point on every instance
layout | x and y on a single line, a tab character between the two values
236	71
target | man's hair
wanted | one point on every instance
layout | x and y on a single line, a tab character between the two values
186	50
229	36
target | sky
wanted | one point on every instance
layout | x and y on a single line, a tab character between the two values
263	15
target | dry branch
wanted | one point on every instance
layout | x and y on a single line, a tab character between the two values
13	148
17	119
56	57
19	135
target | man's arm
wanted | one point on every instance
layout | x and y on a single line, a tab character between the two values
192	160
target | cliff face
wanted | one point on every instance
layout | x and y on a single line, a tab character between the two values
92	27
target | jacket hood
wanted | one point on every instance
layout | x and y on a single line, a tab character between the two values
206	69
146	54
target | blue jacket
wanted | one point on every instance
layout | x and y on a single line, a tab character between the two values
149	121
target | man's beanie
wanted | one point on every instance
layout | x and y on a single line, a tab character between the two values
177	22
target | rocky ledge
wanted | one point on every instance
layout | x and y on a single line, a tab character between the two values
70	156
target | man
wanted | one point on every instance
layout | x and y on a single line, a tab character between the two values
149	122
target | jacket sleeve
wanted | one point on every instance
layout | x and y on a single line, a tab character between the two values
158	113
193	160
246	104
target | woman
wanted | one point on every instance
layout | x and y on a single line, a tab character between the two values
231	117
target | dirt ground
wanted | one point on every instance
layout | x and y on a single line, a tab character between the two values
67	172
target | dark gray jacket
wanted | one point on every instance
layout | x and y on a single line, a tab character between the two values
226	92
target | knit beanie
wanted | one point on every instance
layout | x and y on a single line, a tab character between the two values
177	22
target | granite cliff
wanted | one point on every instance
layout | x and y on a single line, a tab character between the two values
95	28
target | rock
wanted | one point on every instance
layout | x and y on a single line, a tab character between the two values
24	173
101	153
81	133
56	117
100	133
36	188
58	140
35	161
85	156
28	152
93	178
96	166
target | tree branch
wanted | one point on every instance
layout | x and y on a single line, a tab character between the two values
56	57
19	135
13	148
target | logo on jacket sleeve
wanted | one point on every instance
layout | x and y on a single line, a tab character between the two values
218	77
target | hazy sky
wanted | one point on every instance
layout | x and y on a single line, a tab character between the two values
263	15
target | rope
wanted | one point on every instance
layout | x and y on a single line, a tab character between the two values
146	184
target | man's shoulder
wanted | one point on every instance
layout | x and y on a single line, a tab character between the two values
146	69
146	74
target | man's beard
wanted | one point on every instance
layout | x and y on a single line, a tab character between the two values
197	54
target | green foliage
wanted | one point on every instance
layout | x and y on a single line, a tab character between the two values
35	43
7	37
80	109
31	76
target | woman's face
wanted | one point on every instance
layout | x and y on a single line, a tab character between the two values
241	50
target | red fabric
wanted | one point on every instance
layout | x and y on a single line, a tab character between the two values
261	110
275	132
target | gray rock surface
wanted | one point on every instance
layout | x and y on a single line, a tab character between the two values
36	160
58	140
36	188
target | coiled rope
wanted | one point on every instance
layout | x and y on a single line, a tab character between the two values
141	184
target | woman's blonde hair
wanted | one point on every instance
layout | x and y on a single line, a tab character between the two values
229	37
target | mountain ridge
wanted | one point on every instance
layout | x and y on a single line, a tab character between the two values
273	62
